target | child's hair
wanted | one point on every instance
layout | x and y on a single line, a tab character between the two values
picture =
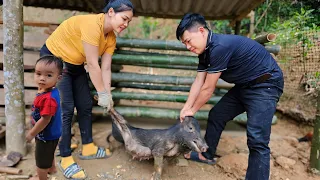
189	21
118	6
49	59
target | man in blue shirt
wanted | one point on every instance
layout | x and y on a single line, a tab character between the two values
258	86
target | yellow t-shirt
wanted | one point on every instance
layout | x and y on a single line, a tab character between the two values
66	41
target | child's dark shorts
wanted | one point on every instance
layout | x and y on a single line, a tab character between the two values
45	153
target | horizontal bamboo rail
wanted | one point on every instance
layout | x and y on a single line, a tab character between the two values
157	79
148	112
156	97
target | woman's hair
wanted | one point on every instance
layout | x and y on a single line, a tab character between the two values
49	59
189	21
118	5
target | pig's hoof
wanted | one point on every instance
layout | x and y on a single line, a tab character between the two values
156	176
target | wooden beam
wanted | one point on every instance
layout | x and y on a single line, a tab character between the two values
237	28
251	29
36	24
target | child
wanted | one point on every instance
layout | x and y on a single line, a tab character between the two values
46	114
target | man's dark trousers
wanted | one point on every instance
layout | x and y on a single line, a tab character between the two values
259	102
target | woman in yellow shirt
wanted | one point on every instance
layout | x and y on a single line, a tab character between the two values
78	39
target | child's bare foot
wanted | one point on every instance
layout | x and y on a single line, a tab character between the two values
52	170
34	178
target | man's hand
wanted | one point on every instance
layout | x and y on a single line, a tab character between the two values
186	112
105	100
29	137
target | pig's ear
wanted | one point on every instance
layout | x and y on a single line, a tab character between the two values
187	119
178	119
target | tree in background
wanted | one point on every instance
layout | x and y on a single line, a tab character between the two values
273	11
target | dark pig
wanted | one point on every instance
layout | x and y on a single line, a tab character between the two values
158	143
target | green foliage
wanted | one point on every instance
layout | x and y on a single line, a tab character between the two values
293	30
221	27
297	31
148	25
280	11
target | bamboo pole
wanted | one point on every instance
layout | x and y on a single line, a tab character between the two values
166	60
154	59
274	49
18	177
10	170
161	113
265	38
146	78
13	76
156	97
163	88
153	87
168	66
315	146
157	79
151	44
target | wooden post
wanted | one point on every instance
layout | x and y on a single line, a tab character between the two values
315	146
251	30
237	28
13	76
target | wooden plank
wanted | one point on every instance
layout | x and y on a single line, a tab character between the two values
29	58
28	79
2	131
1	111
31	39
3	118
36	24
29	96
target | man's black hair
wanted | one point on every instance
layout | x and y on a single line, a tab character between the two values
188	21
118	5
49	59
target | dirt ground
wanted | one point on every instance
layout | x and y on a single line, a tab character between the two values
289	159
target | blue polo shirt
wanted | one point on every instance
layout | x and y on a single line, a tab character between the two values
239	58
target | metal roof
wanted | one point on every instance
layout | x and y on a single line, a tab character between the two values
210	9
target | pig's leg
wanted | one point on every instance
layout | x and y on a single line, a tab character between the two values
158	152
158	166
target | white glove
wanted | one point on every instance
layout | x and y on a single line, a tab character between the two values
105	100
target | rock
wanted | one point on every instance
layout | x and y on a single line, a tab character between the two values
281	147
292	141
226	146
275	175
235	164
285	162
241	145
182	162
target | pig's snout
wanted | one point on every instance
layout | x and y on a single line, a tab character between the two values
201	145
204	149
